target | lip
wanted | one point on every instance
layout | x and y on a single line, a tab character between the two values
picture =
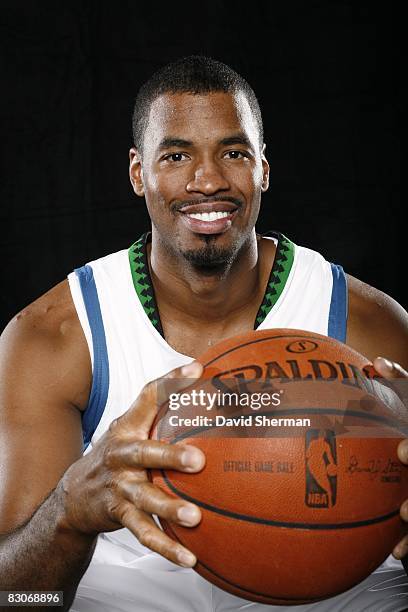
218	226
207	207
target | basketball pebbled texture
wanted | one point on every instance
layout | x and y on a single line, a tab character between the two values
290	514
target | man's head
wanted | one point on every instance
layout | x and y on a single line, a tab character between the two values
195	74
199	160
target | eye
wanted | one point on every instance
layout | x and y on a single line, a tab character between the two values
236	154
175	157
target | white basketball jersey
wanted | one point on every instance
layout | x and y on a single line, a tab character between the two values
115	301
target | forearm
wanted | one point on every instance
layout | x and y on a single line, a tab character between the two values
44	554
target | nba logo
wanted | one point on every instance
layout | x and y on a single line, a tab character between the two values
321	468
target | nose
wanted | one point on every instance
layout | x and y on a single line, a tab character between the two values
208	178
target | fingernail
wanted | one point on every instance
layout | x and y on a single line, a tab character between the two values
191	458
191	370
400	551
186	558
403	451
388	364
188	515
404	511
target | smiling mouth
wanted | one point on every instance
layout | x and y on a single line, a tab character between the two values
209	211
209	216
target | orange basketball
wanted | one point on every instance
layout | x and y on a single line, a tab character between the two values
301	490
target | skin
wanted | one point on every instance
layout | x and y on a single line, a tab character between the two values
63	499
205	168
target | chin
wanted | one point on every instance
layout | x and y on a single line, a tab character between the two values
210	257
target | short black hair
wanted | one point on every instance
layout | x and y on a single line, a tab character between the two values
195	74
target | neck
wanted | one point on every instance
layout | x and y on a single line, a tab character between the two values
200	294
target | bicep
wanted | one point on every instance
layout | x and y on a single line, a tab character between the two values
40	427
377	324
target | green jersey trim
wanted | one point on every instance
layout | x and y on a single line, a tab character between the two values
142	282
143	285
282	265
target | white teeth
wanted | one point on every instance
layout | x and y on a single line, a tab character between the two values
212	216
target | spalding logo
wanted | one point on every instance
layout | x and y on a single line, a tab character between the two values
301	346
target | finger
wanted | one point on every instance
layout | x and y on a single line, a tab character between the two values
404	511
403	451
148	533
389	369
143	411
152	500
401	549
152	454
177	380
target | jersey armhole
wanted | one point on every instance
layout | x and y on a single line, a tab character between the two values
337	326
85	296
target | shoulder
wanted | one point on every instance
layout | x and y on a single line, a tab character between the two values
377	324
45	342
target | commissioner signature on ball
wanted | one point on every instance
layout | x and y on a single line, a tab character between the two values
373	467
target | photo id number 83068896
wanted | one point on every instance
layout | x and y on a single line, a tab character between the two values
31	598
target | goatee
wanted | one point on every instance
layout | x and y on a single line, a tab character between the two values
210	258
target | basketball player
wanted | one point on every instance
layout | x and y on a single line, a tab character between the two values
79	362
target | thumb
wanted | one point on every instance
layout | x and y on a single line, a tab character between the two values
143	411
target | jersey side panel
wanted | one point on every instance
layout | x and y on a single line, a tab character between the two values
137	352
305	302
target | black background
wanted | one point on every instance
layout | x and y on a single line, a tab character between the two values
329	79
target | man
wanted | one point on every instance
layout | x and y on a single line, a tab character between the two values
91	346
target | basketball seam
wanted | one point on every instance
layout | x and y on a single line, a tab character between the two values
236	586
272	523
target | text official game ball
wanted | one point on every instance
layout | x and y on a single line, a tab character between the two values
302	487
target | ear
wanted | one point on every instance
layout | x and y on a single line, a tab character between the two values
265	170
136	171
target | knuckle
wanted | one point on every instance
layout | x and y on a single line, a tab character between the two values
116	510
139	495
123	483
171	455
148	452
140	434
149	391
145	536
118	429
113	426
116	432
130	485
165	507
151	499
141	451
166	454
109	456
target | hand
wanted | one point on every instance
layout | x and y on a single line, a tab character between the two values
391	370
109	487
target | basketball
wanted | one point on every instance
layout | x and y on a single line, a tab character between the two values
301	490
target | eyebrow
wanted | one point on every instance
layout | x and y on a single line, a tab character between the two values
239	138
167	143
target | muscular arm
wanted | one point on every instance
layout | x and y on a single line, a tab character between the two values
55	501
45	377
378	327
377	324
43	554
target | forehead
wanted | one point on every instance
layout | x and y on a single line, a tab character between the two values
197	117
